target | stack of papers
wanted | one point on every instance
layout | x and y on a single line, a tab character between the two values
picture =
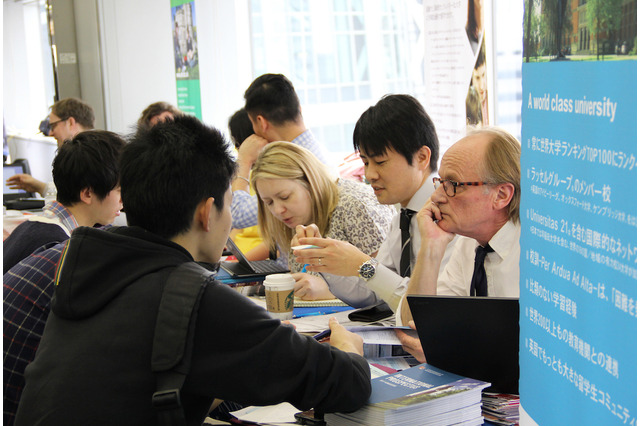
422	395
501	408
281	414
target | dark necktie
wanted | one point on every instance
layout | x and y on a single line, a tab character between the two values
479	279
405	225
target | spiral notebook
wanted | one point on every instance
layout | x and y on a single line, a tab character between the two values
299	303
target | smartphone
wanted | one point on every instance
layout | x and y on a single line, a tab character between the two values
309	418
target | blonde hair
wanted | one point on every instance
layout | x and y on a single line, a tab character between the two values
501	164
284	160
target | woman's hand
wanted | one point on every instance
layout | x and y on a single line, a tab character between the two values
302	231
332	256
310	287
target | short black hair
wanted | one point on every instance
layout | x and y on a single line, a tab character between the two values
398	122
273	97
167	170
240	127
89	160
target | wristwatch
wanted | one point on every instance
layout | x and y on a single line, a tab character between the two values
368	269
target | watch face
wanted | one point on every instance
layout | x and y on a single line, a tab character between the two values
367	271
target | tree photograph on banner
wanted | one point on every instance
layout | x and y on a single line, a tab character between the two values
597	30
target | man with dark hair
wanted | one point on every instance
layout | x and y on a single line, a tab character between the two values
85	170
272	101
274	110
124	294
88	165
67	118
399	147
156	113
240	127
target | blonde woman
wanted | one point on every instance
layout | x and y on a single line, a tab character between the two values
295	188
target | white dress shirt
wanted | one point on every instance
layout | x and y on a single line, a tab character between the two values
387	283
502	266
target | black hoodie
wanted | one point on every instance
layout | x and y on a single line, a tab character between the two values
93	365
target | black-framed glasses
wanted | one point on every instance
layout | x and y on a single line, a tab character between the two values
53	124
450	186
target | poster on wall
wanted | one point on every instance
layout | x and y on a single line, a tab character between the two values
456	66
578	268
185	51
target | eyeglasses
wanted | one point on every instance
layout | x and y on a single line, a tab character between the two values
53	124
450	186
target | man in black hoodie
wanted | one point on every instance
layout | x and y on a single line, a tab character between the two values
94	362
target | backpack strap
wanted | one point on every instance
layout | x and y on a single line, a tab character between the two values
173	338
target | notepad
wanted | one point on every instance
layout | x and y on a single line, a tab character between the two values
299	303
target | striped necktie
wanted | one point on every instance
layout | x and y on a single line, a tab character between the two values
405	225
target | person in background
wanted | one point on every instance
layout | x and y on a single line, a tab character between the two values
295	188
85	171
157	112
247	239
274	110
240	127
67	118
97	350
399	147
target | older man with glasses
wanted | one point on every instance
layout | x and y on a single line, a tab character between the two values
67	118
477	196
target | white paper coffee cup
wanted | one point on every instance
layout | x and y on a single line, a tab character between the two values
278	289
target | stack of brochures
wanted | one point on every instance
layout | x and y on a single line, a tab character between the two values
501	408
422	395
381	341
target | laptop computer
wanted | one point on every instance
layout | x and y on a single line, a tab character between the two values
476	337
249	268
18	199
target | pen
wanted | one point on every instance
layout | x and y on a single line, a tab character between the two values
309	314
